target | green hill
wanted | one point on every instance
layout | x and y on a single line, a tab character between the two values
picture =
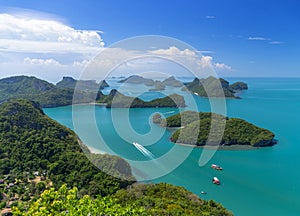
32	144
84	85
215	87
237	131
46	94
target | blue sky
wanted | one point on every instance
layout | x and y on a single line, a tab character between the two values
250	38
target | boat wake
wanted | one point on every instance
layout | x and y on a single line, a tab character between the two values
143	150
169	112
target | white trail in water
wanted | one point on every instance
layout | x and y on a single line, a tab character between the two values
143	150
169	112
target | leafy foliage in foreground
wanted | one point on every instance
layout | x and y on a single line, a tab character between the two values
236	131
67	202
138	200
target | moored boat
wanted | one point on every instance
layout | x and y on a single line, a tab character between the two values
216	181
216	167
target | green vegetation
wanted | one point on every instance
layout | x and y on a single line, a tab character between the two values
138	200
66	201
46	94
239	86
213	87
117	100
35	147
49	95
38	157
166	199
84	85
237	131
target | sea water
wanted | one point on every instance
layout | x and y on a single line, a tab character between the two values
261	181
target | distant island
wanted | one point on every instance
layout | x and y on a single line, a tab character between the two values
216	87
84	85
237	131
116	99
87	91
157	84
135	79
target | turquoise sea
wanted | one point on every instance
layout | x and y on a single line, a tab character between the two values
263	181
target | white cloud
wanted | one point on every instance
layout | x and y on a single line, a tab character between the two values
205	61
210	17
35	61
37	44
276	42
206	52
81	63
258	38
27	34
222	66
174	51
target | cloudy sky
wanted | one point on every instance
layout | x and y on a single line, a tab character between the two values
50	39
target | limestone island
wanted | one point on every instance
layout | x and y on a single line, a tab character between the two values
116	99
214	87
135	79
237	131
157	84
70	82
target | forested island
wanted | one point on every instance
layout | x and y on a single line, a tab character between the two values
84	85
214	87
87	91
204	87
44	171
116	99
237	131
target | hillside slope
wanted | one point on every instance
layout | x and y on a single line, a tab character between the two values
41	91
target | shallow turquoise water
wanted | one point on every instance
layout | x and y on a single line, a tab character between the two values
260	181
